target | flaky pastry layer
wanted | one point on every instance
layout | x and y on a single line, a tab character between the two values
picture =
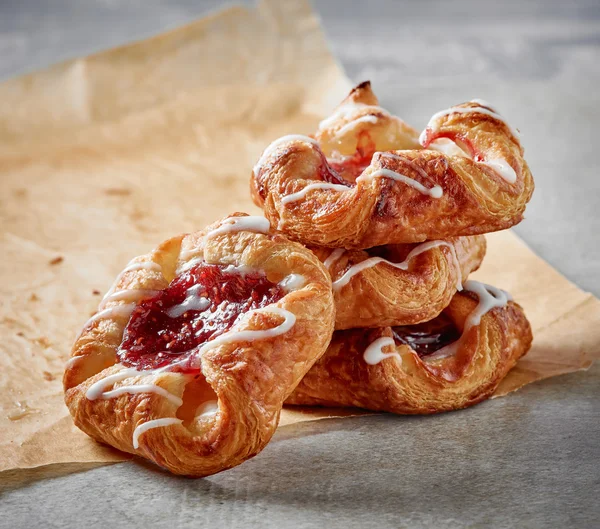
404	383
249	379
399	284
402	193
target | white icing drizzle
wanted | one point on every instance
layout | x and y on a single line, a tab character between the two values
294	197
186	254
142	388
289	319
352	125
280	141
253	223
434	192
333	257
499	165
350	111
489	297
131	266
342	112
117	310
98	389
374	353
373	261
135	295
185	266
466	110
192	301
502	167
292	282
73	360
156	423
208	408
242	270
446	146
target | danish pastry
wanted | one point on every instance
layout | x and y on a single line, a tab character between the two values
362	181
197	345
451	362
399	284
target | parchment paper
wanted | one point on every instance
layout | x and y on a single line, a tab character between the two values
102	158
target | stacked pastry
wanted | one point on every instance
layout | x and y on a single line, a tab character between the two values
396	219
370	231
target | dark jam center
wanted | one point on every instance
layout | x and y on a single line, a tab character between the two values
426	338
199	305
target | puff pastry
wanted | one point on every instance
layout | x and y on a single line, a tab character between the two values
364	181
411	370
197	345
399	284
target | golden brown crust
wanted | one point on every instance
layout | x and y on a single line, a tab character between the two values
388	133
418	386
250	379
383	295
380	210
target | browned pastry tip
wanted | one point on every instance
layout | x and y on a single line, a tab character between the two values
197	345
399	284
359	122
365	181
452	362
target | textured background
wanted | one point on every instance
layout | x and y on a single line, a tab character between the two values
529	460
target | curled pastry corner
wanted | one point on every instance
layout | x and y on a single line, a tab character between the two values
391	369
364	180
399	284
219	403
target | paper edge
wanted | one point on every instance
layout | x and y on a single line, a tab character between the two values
209	16
572	283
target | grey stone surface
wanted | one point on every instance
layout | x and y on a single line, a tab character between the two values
528	460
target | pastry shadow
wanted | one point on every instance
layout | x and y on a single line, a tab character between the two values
302	451
21	477
320	466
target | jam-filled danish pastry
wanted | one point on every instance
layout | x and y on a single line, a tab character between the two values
451	362
198	343
399	284
364	181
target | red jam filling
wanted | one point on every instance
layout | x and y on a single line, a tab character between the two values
427	338
349	168
159	333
